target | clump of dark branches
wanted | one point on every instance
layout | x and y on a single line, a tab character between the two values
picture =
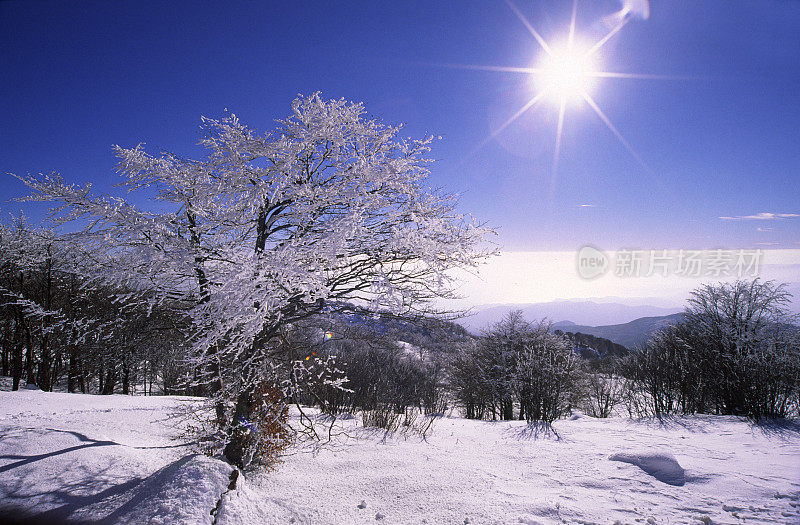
737	352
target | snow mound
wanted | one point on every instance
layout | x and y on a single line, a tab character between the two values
662	466
185	491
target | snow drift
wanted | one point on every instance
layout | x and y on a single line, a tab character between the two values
662	466
185	491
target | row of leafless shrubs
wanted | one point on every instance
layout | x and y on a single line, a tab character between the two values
736	352
407	421
381	376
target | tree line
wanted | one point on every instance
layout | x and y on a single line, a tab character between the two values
58	327
736	351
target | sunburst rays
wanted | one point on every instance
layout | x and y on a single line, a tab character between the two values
576	66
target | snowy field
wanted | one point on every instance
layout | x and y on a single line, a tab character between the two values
119	459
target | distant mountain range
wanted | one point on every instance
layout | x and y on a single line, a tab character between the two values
593	312
630	334
625	324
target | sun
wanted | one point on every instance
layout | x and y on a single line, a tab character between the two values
566	74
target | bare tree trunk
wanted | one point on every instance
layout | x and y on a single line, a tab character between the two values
81	374
45	358
72	371
508	410
144	377
16	362
110	381
30	358
45	365
29	355
236	448
8	347
126	376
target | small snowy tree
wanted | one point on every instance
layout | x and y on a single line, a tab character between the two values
745	337
267	230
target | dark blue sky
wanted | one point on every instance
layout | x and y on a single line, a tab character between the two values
79	76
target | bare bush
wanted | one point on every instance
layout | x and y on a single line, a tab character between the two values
381	417
516	363
546	377
736	352
602	390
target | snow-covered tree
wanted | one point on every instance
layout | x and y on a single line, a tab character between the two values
269	229
546	377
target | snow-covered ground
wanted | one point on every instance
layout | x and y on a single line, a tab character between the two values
115	459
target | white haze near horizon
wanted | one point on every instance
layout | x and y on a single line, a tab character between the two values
522	277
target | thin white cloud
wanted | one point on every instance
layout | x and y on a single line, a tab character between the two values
763	216
760	229
585	205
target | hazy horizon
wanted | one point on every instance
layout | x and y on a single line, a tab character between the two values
538	277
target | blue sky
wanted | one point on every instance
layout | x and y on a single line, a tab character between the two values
721	141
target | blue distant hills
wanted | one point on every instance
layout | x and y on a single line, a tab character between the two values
625	324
